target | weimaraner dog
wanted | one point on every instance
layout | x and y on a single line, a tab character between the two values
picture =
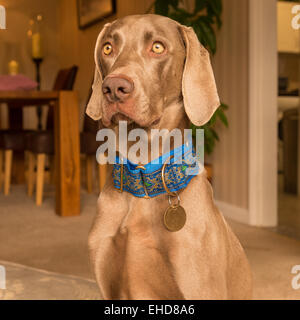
153	73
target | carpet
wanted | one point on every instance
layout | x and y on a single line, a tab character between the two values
272	257
25	283
37	237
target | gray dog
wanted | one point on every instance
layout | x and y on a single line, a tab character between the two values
153	73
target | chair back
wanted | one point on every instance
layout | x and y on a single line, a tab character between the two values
64	81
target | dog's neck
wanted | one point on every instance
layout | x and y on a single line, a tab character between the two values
148	174
174	117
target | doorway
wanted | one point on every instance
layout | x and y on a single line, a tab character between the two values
288	119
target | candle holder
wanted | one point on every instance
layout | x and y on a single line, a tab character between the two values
34	34
37	62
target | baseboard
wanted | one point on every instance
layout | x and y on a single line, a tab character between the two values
233	212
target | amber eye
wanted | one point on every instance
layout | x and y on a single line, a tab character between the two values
107	48
158	47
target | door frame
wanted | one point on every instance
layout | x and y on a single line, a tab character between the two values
263	112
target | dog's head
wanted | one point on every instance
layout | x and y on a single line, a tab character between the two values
144	64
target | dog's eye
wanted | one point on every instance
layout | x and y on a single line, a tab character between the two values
107	48
158	47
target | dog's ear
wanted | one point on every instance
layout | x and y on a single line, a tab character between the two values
199	90
94	105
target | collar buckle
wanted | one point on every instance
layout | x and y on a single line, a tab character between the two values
144	184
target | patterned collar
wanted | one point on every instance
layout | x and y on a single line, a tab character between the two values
169	173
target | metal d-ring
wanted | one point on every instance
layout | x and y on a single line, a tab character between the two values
163	169
178	201
144	185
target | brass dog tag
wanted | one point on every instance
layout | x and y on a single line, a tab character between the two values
174	218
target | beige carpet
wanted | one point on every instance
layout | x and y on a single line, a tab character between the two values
26	283
271	257
36	237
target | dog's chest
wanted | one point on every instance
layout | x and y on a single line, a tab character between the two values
143	216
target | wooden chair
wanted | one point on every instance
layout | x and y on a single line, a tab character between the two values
89	146
11	141
41	143
45	146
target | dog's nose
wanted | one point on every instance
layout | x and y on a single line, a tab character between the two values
117	88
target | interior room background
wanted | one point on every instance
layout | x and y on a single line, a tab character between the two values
66	44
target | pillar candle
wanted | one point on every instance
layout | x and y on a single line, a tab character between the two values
36	46
13	67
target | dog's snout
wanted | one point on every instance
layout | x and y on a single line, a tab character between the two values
117	88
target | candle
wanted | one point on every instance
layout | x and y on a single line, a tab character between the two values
36	46
13	67
2	18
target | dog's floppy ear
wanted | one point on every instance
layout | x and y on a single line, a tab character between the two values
199	90
94	106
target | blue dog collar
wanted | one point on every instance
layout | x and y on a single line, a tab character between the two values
169	173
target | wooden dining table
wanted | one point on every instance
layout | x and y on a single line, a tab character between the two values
67	149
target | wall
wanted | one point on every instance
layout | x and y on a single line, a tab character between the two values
263	113
77	46
230	158
14	43
288	42
288	39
